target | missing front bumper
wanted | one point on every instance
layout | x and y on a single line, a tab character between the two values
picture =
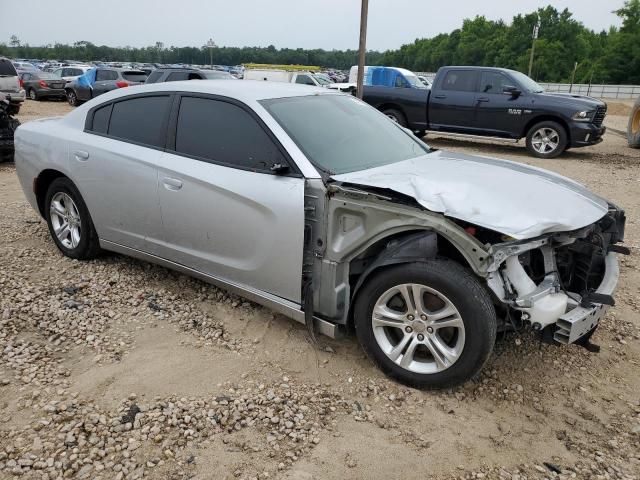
579	321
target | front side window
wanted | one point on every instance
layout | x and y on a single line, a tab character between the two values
493	82
140	120
341	134
224	133
460	80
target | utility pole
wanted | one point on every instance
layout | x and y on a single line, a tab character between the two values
573	76
536	29
364	12
211	45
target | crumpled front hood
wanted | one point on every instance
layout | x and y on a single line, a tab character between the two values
508	197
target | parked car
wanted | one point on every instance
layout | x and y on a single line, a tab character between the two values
25	67
299	77
176	74
71	72
101	80
8	126
39	85
10	84
318	206
495	102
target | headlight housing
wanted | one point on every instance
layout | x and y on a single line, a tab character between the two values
583	115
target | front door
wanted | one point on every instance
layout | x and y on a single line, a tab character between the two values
498	113
224	211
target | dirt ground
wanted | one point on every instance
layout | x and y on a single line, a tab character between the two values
116	369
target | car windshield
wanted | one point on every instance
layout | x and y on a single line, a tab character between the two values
526	83
322	80
414	80
341	134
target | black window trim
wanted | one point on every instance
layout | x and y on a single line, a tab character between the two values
294	171
88	123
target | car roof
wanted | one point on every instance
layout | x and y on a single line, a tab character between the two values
244	90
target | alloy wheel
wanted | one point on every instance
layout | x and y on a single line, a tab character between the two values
65	219
545	140
418	328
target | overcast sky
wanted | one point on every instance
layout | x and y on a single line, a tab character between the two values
328	24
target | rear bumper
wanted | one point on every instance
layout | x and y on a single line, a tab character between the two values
51	92
578	322
17	97
585	134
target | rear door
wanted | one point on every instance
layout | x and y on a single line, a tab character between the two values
453	100
114	162
498	113
224	212
105	81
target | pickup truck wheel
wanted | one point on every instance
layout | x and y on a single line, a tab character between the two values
396	115
633	128
69	221
427	324
546	140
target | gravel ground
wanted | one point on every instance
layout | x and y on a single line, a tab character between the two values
117	369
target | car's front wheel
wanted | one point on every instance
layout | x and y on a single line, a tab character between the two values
547	139
427	324
69	221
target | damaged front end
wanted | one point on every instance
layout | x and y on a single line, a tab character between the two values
560	283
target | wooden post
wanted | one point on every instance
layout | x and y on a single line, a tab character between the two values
363	46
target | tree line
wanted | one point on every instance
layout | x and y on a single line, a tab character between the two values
565	48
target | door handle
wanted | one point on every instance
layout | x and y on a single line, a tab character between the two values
81	155
440	96
483	99
172	183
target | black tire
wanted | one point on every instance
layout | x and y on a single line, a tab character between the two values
420	133
396	115
89	246
633	128
72	98
33	95
550	126
13	109
467	295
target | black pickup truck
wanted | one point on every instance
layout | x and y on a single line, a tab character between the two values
494	102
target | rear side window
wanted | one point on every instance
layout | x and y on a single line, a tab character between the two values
134	76
140	120
102	75
70	72
101	119
177	76
154	77
460	80
7	68
224	133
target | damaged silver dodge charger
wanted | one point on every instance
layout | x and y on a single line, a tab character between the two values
318	206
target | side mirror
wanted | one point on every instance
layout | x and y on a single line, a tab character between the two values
511	90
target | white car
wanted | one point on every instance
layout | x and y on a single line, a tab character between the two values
71	72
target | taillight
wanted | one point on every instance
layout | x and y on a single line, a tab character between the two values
21	82
122	84
43	84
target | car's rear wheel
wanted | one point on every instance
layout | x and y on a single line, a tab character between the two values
69	221
427	324
546	139
396	115
33	95
72	98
